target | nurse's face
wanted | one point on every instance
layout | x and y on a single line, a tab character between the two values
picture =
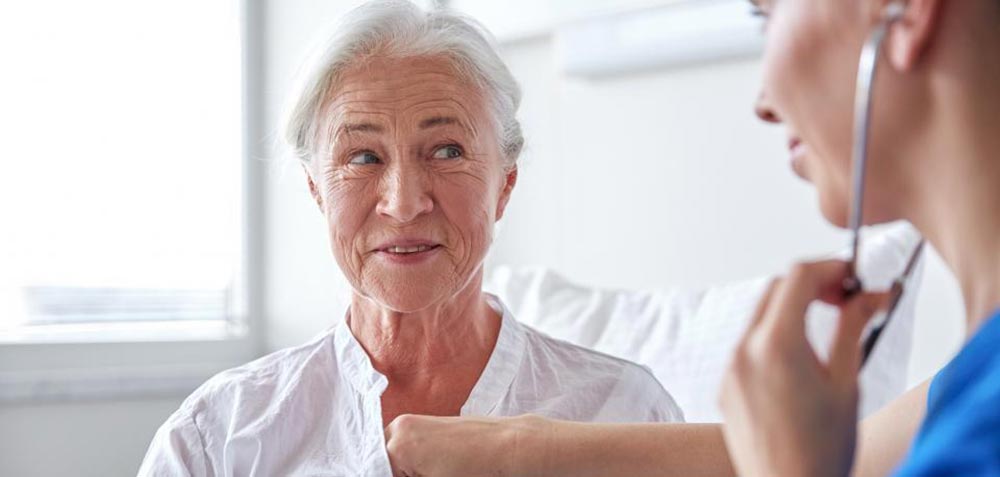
411	181
810	69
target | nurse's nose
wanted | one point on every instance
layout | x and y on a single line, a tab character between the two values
765	111
406	193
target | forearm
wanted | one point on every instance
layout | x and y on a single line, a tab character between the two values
561	448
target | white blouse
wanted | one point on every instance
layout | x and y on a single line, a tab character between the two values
316	410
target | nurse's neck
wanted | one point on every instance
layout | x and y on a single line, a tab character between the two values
955	179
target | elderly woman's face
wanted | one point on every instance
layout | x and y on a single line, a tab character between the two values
413	180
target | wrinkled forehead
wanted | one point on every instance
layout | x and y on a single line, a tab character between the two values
405	92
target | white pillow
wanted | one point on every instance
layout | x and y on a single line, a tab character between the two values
686	337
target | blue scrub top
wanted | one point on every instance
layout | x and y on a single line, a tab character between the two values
961	434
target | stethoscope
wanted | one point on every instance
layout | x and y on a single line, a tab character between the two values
867	67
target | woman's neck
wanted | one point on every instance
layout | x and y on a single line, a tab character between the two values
439	338
967	235
957	200
433	357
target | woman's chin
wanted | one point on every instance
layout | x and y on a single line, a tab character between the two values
834	211
407	296
405	305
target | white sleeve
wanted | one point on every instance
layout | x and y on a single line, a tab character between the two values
655	403
176	450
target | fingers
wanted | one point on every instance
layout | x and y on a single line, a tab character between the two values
781	314
806	283
845	354
777	392
765	301
399	436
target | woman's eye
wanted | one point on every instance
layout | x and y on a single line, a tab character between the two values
363	158
448	152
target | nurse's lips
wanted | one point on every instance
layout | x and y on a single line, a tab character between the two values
797	149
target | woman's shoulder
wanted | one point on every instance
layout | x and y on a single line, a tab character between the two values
961	432
253	384
963	437
584	370
254	396
555	351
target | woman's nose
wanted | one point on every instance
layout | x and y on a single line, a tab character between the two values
405	193
764	110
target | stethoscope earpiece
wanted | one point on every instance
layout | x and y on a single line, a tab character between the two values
894	11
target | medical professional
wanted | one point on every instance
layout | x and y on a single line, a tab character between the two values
934	160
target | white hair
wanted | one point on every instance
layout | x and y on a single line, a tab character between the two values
399	28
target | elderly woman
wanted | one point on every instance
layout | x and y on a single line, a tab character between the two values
407	133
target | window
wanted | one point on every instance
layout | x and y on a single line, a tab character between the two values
121	181
124	179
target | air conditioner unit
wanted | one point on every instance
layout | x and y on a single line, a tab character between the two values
670	35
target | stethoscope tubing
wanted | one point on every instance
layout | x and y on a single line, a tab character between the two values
867	68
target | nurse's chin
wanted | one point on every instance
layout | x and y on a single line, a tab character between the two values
836	211
798	165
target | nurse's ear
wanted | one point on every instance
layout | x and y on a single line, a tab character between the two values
910	37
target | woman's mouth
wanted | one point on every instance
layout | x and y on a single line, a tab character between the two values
798	150
408	252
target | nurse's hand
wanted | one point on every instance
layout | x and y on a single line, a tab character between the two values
425	446
785	411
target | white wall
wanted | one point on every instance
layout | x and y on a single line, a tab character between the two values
87	439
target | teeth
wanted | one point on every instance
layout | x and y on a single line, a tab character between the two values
413	249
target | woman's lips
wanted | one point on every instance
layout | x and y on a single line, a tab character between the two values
407	249
408	252
797	150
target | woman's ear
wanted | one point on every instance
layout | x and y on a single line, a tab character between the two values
510	180
312	188
911	36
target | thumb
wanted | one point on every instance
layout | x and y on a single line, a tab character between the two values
845	356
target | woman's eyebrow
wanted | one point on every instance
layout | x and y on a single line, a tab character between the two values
346	129
360	127
439	121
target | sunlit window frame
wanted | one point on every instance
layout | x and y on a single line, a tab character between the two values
150	359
